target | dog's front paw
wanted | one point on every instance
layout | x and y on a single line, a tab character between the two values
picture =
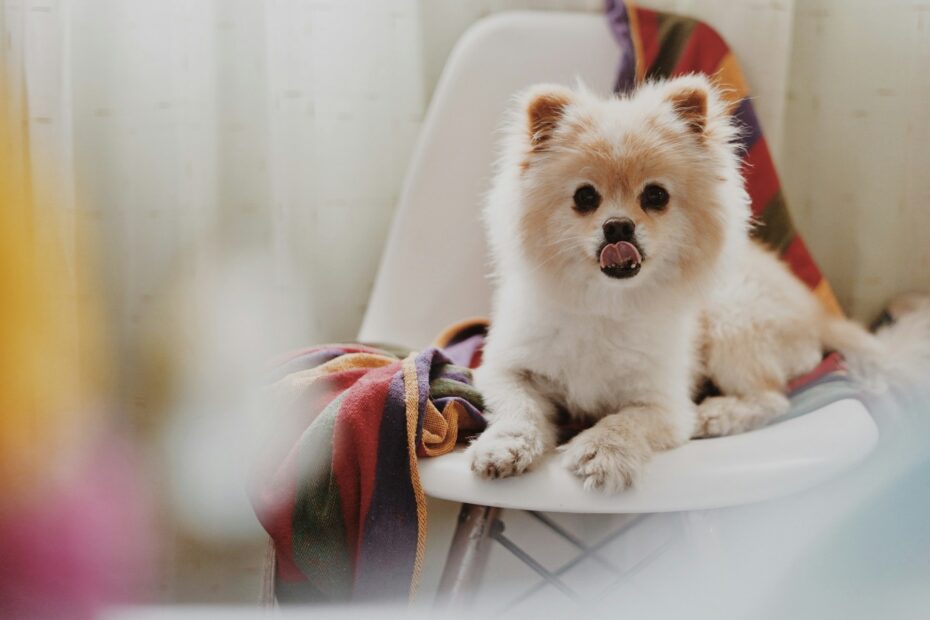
717	416
606	460
505	450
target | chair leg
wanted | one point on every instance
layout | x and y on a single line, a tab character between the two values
468	556
266	596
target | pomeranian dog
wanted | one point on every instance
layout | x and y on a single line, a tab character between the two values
626	276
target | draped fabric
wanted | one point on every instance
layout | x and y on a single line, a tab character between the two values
338	488
659	45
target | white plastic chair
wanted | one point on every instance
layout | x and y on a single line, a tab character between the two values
433	274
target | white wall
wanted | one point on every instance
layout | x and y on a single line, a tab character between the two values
856	161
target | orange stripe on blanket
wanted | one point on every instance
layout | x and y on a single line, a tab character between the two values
644	24
293	384
440	429
351	361
412	408
729	78
446	336
824	293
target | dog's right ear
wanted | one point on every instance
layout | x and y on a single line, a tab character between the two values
545	107
694	99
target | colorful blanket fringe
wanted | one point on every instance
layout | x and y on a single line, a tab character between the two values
344	505
658	45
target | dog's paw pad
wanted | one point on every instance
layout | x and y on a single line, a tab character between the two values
502	453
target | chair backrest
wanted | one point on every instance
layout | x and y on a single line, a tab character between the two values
433	269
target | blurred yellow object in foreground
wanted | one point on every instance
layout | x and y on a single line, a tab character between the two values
50	357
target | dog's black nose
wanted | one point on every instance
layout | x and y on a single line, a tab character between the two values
619	229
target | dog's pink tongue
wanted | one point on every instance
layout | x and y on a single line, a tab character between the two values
620	253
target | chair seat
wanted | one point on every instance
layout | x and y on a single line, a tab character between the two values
764	464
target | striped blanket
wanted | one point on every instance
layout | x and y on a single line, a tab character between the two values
658	45
338	489
337	486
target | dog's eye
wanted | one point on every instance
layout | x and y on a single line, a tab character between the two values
653	197
586	199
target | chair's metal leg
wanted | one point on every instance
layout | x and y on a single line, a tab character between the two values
526	558
468	556
266	596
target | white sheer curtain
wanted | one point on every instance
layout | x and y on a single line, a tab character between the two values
282	126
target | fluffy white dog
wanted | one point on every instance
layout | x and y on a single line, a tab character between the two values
625	277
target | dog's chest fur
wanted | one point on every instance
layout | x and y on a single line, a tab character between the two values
594	366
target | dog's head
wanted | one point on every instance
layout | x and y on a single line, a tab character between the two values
624	192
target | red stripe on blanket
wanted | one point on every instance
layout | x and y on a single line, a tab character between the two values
704	52
761	178
832	363
801	262
275	504
355	449
649	34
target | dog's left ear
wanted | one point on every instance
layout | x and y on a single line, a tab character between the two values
689	97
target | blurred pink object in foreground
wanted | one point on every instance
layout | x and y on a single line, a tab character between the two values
79	545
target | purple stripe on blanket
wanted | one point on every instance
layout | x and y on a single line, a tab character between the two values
389	543
462	352
428	363
619	21
455	373
746	118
